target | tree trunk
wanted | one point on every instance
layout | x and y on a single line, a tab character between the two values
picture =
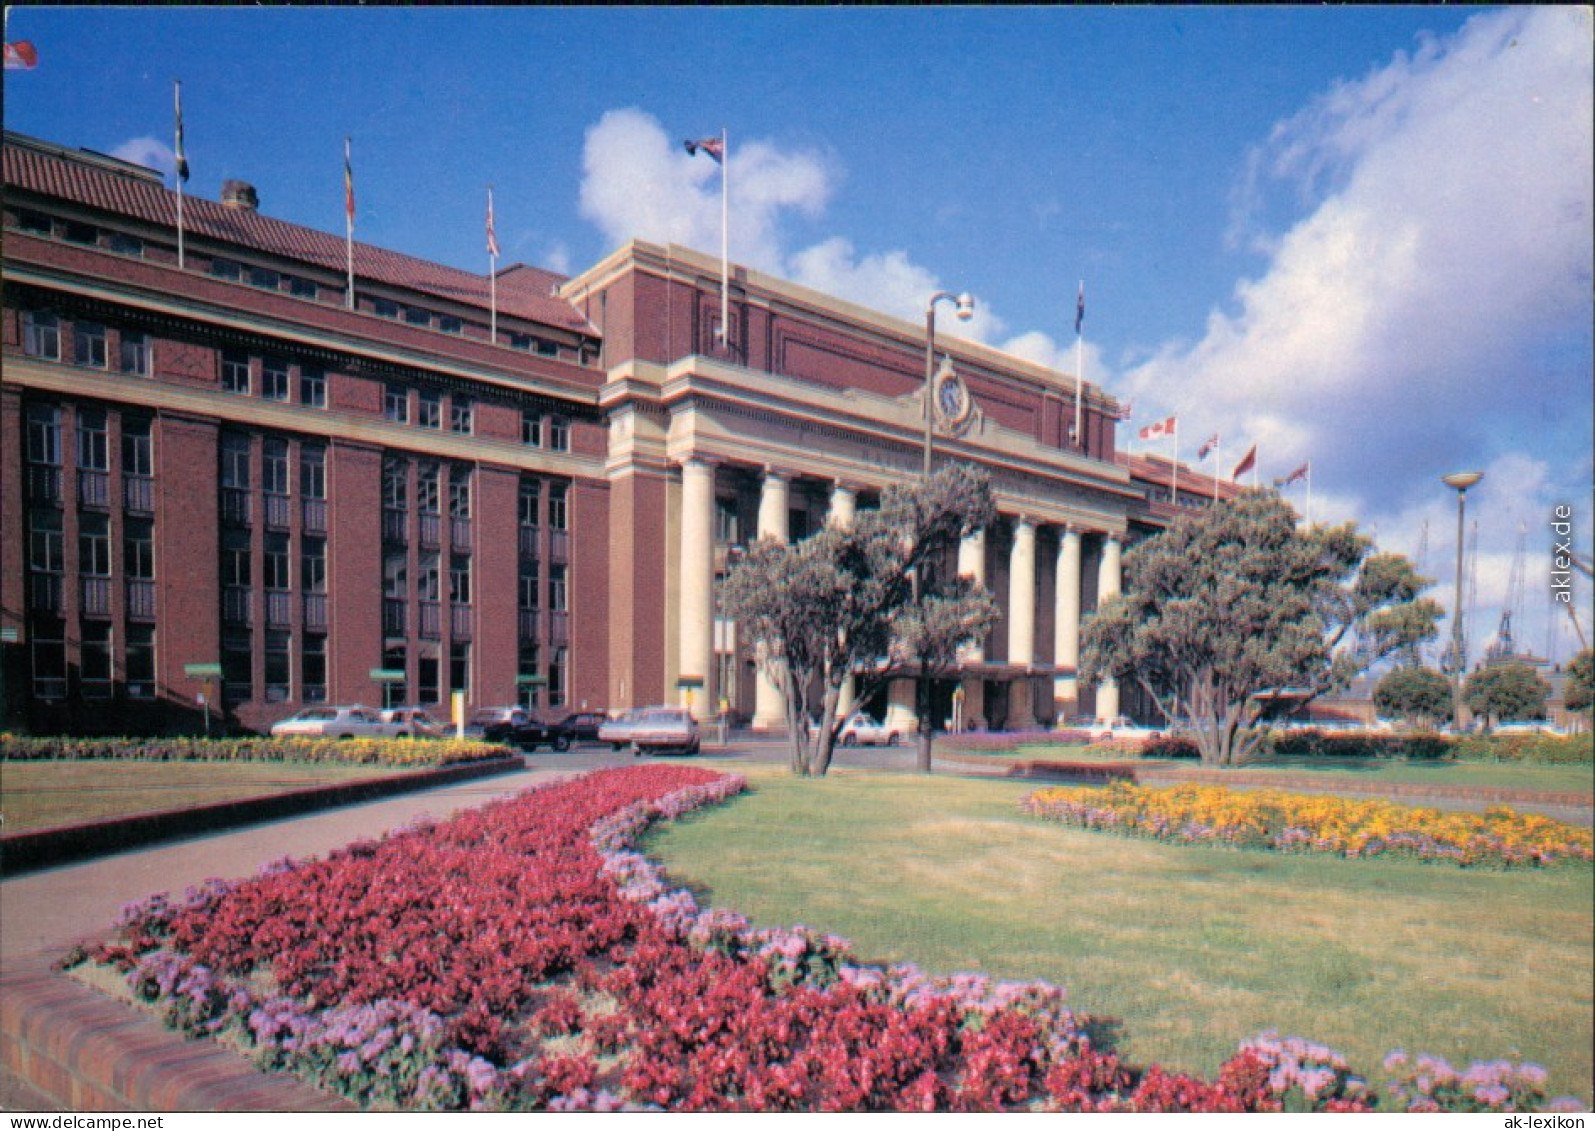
922	711
825	738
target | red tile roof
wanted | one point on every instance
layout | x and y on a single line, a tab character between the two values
96	182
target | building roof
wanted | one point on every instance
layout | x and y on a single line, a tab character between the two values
107	184
1159	469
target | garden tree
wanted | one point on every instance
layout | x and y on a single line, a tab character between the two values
1235	601
846	602
1420	696
1505	693
1580	690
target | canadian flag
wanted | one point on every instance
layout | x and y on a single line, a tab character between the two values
1158	429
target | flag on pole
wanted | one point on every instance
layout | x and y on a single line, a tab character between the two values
182	155
492	237
1248	461
1079	310
1159	428
1127	409
348	183
21	56
1296	476
713	146
1208	447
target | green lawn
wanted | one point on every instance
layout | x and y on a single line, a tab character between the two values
1193	948
37	795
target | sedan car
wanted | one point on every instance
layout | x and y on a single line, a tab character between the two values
484	717
528	734
1123	729
583	726
861	730
617	731
665	730
353	721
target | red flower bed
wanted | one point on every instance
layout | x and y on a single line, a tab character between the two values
524	956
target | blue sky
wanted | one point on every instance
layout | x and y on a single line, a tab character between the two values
1359	236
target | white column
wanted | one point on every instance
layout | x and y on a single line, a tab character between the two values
774	522
972	564
1108	580
1022	621
1066	631
844	506
697	585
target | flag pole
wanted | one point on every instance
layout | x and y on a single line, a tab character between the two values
725	239
1079	363
182	169
348	216
1309	493
1174	466
492	272
1218	462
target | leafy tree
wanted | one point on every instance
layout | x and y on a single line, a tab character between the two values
1580	692
1506	693
1235	601
866	601
1421	696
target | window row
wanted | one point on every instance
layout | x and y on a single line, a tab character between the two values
274	378
266	278
429	408
545	430
78	232
92	345
97	660
92	433
278	656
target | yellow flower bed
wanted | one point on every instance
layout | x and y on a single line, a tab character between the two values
404	753
1299	822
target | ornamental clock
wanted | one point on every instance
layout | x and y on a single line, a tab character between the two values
953	402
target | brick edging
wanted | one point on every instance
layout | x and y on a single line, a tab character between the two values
86	1052
30	851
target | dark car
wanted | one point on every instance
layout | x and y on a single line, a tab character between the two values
583	725
529	734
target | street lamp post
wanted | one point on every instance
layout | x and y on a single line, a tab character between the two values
966	311
1458	652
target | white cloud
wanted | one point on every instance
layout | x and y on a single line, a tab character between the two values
149	152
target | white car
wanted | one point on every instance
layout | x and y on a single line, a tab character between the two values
336	722
665	730
413	722
1528	728
861	730
1122	729
617	731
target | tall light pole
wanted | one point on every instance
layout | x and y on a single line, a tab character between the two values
966	311
1458	652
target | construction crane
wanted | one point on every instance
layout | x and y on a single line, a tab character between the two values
1582	563
1503	647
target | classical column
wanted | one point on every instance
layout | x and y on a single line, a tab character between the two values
972	564
774	522
1108	579
1066	630
1022	621
697	587
844	505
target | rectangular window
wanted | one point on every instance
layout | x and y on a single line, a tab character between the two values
302	288
312	471
558	597
384	308
138	549
274	383
395	488
95	659
558	434
44	435
78	232
264	278
461	414
314	670
46	547
429	578
531	497
94	452
313	386
279	666
395	578
226	269
520	341
34	223
94	545
138	448
235	372
415	316
546	348
124	244
238	678
531	429
530	591
460	580
426	489
275	572
140	661
557	667
460	492
49	659
235	461
136	354
556	507
727	527
430	410
89	345
274	466
449	324
235	558
459	667
41	335
396	404
313	565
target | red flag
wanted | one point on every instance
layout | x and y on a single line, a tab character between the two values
21	56
713	146
348	183
1248	461
1207	447
1294	477
1158	429
492	239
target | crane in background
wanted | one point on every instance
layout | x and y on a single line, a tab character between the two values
1504	647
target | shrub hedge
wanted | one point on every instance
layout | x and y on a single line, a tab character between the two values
399	752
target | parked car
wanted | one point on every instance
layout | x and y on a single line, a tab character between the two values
665	730
1537	727
484	717
862	730
528	734
583	726
414	722
1123	729
355	721
617	731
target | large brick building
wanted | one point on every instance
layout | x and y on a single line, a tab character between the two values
233	464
